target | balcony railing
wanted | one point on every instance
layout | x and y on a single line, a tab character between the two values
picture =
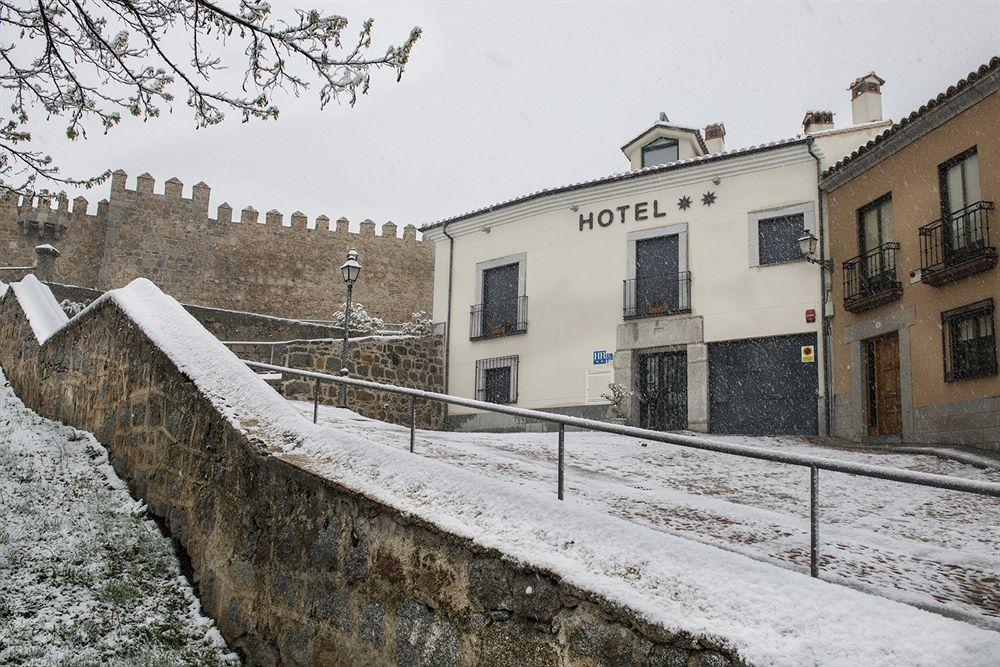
957	246
657	296
870	279
503	317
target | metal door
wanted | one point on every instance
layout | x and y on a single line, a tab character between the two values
762	386
663	390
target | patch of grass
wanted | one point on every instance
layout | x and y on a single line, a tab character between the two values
119	593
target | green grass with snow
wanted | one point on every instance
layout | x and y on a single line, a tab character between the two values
85	576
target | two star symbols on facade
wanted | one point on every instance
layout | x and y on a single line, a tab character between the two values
707	199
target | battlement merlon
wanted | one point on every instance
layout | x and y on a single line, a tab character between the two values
173	189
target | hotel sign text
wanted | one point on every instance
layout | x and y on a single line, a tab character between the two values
638	211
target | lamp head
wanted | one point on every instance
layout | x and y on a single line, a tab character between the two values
807	244
351	268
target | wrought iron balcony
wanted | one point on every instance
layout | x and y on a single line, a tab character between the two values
503	317
657	296
957	246
870	279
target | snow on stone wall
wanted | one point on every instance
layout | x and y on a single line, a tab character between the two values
312	544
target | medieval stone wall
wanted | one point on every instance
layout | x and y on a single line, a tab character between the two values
414	362
226	325
295	568
248	261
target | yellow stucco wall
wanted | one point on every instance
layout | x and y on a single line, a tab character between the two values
911	175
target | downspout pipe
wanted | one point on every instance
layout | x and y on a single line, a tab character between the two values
447	329
824	322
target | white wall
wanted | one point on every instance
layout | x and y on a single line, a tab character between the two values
574	278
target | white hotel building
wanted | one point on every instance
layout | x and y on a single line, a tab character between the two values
680	279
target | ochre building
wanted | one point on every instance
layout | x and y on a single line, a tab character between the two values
912	231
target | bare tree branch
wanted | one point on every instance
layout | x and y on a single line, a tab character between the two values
88	61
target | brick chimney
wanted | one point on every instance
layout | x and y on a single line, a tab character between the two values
715	137
866	98
817	121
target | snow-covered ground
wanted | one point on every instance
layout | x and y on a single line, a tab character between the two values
85	577
936	549
634	558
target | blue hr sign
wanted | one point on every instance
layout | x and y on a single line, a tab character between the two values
603	357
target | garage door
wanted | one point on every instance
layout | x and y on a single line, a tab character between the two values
762	386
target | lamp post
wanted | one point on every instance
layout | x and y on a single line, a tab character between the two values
350	271
807	245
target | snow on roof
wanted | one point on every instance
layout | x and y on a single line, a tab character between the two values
929	106
621	176
44	313
770	615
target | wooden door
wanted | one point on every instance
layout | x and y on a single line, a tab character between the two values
885	410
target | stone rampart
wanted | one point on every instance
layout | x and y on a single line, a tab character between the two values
247	262
414	362
226	325
296	567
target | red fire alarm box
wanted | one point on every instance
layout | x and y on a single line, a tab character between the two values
811	315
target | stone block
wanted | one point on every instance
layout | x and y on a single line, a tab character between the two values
605	645
669	656
371	623
324	552
424	638
536	597
356	563
329	603
514	645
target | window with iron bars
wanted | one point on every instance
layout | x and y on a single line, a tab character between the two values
969	341
496	380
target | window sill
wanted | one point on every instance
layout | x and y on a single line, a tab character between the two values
490	336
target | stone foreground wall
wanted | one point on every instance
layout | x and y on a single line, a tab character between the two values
251	263
295	568
414	362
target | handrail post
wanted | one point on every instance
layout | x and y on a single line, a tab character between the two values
316	401
272	353
562	458
813	521
413	421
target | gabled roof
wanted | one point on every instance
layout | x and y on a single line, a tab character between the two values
638	173
895	130
668	126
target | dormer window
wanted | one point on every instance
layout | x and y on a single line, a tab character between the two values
661	151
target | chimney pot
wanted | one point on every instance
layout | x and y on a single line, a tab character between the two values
817	121
715	137
866	98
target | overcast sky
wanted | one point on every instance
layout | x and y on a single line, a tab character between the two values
502	99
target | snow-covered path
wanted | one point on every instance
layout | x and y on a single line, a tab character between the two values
85	577
936	549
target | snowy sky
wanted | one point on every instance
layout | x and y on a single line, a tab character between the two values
506	98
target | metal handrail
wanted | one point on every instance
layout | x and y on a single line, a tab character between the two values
633	294
517	307
814	463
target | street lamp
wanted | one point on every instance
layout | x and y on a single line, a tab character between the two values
807	245
350	271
